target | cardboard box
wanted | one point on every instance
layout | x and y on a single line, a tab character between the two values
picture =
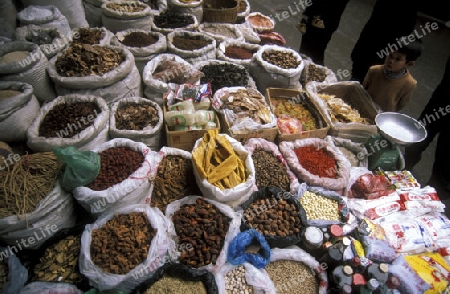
185	140
298	96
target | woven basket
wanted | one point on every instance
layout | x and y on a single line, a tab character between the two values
223	11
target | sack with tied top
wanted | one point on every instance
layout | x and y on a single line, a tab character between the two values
17	111
48	16
17	274
223	168
22	61
93	12
38	287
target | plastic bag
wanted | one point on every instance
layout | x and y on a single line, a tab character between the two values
18	112
256	278
237	251
205	53
49	288
17	273
329	75
357	149
199	95
378	250
161	251
342	164
297	254
81	167
289	125
411	283
248	63
95	134
45	16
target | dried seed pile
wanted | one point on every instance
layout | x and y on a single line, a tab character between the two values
273	217
136	116
14	56
285	60
189	42
122	243
88	36
175	285
60	262
201	227
236	52
27	182
291	276
80	60
66	120
270	171
3	274
41	37
236	283
172	20
319	207
8	93
117	164
174	180
127	7
315	73
139	39
224	75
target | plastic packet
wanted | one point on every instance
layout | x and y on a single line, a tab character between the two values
202	117
186	105
378	250
402	180
179	118
195	93
411	283
289	125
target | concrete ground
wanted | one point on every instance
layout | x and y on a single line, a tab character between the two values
428	69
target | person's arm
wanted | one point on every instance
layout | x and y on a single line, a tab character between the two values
367	79
405	97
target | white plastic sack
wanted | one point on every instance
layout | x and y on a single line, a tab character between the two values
158	6
238	194
121	82
295	253
257	278
50	288
154	88
25	33
73	10
87	139
142	55
259	143
330	76
248	63
205	53
150	136
342	164
161	247
106	35
93	12
193	7
250	36
45	16
116	21
31	70
233	229
233	33
357	148
18	112
136	189
243	14
267	74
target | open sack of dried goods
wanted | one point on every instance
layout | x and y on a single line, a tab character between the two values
44	16
144	45
92	36
138	119
317	162
238	52
122	15
277	67
317	73
127	168
105	71
179	278
223	168
347	107
75	120
195	222
243	110
276	214
292	269
19	107
221	31
244	278
191	46
125	247
244	9
271	169
168	21
50	41
33	206
93	12
355	152
174	178
22	61
13	275
194	7
73	11
166	69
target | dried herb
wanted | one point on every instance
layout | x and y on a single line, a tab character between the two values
317	161
136	116
189	42
224	75
139	39
172	20
88	36
270	171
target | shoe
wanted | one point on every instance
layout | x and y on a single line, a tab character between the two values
318	22
301	26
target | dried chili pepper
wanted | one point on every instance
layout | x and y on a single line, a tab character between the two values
317	161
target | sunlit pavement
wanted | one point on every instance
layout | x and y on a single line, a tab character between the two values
428	70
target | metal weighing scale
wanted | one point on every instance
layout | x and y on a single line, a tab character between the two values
395	130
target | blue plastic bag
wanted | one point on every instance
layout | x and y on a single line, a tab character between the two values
236	251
